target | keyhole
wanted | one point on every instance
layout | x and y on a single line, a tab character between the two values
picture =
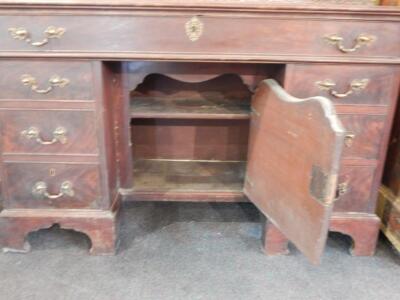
52	172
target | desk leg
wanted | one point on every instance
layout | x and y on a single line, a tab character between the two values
362	228
100	226
274	242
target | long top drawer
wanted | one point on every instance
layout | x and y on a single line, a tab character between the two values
208	36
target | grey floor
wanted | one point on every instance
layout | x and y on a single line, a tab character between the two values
192	251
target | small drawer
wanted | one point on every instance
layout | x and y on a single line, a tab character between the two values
355	183
48	132
364	135
46	80
370	85
51	185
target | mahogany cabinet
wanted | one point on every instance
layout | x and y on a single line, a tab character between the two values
288	106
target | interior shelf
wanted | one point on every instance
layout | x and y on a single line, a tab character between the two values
155	175
189	138
145	107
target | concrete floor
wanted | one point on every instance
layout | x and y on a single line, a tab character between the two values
192	251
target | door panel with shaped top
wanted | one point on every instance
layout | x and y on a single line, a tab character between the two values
294	153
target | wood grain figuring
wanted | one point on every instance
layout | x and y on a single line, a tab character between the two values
78	73
190	139
301	81
19	183
368	133
395	91
294	188
239	35
81	133
357	198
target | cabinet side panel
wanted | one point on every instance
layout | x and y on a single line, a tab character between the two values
103	80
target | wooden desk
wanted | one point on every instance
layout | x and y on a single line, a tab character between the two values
168	101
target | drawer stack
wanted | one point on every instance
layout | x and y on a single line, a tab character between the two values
364	98
43	139
53	144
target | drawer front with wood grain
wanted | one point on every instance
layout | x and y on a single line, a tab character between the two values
355	184
51	185
343	84
48	132
46	80
364	135
255	36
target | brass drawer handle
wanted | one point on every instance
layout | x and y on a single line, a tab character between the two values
22	34
54	81
342	189
356	86
348	139
40	190
59	135
361	40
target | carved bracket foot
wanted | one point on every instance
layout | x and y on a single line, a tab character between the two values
99	226
363	229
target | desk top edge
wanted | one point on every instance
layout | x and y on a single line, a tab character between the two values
316	6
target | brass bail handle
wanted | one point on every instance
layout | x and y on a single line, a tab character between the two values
360	41
40	190
356	86
59	135
54	81
22	34
348	139
342	189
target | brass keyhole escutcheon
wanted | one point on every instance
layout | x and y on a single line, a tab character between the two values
194	29
52	172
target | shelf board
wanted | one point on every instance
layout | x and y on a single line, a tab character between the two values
206	179
147	107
